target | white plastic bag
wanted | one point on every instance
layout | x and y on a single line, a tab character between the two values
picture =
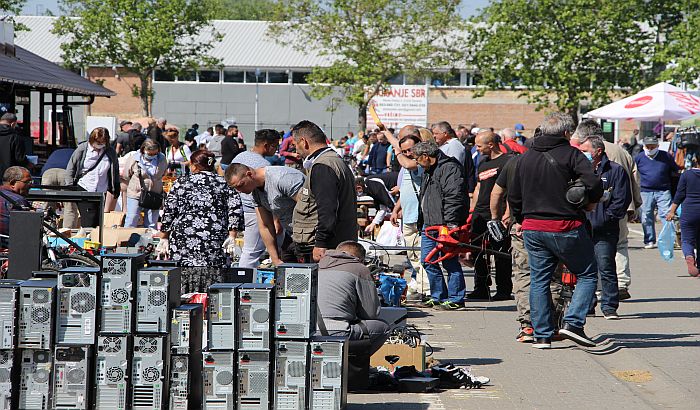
390	235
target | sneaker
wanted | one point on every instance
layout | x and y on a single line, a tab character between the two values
650	245
431	303
479	295
576	335
450	306
611	315
623	294
542	343
482	380
498	297
526	335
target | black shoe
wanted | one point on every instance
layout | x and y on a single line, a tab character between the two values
623	294
542	343
479	295
498	297
577	335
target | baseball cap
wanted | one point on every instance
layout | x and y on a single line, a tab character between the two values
519	127
124	122
650	139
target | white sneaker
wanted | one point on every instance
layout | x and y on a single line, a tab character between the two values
650	245
481	379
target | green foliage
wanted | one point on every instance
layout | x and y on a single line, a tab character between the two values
139	35
13	8
367	42
564	52
245	10
681	55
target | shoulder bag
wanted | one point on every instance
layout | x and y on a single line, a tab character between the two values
576	192
79	175
149	199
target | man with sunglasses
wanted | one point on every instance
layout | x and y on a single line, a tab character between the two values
16	182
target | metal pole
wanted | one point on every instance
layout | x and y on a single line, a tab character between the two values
257	77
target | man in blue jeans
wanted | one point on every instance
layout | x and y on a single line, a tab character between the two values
553	226
655	171
443	202
605	220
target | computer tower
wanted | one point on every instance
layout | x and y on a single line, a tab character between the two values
223	309
329	372
295	302
26	233
9	379
158	294
186	381
149	369
219	380
255	305
186	329
37	304
117	293
8	313
72	374
236	274
254	384
291	382
77	306
35	380
112	361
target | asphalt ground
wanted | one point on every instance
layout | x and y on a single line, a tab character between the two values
648	359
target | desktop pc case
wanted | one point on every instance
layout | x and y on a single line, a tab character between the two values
9	295
291	383
186	330
149	367
72	377
219	380
77	306
256	302
117	292
296	288
186	381
35	380
158	294
9	378
112	372
329	372
37	305
222	315
254	380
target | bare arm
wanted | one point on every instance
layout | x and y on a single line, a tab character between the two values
475	196
266	225
497	195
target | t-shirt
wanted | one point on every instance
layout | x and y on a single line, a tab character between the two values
410	184
214	145
487	174
251	160
454	149
277	196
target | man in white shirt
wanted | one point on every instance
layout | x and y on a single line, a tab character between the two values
446	139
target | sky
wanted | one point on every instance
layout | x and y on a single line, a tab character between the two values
34	7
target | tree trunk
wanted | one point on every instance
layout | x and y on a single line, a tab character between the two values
362	117
144	95
573	112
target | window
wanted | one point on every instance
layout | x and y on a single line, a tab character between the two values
396	80
415	80
277	77
452	78
187	76
231	76
300	77
250	77
209	76
160	75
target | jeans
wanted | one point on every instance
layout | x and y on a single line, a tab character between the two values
545	249
133	211
504	267
253	245
650	201
690	228
605	245
456	288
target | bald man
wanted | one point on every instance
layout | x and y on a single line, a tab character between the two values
489	168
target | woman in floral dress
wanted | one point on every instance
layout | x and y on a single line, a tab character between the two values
200	213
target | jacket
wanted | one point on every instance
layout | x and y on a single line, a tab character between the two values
539	189
12	151
75	165
619	155
154	183
346	291
606	215
443	194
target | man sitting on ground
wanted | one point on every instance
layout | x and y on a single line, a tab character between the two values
347	296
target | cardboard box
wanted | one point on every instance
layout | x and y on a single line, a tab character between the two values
114	219
115	236
409	356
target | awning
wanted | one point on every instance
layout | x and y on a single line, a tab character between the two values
28	69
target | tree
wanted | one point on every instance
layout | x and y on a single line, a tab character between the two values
680	52
138	35
560	53
12	8
367	42
246	10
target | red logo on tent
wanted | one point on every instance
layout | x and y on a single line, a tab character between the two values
638	102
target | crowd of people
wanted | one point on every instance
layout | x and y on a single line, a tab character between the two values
560	199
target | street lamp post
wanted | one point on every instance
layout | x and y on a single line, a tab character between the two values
257	77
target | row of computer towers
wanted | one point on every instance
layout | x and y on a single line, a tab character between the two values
265	335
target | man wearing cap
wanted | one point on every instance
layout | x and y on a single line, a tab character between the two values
122	145
655	169
518	133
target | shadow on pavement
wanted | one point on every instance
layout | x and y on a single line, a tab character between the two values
649	300
609	343
660	315
472	361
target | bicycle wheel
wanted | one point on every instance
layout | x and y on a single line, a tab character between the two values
67	261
